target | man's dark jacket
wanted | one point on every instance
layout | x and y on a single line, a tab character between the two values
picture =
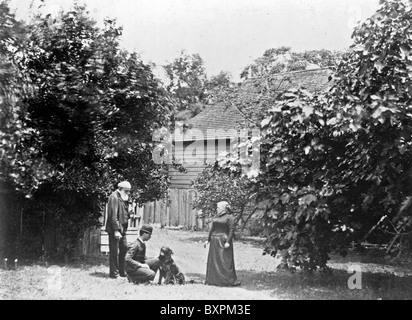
136	255
117	213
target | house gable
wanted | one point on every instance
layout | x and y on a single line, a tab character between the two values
218	121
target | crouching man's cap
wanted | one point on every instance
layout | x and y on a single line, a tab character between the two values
146	229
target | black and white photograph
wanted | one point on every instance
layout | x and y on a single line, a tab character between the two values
205	155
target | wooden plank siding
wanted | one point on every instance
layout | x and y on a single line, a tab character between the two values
194	159
180	180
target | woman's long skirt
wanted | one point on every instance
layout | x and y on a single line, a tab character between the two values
220	262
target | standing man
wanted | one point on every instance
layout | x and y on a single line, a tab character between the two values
116	227
139	268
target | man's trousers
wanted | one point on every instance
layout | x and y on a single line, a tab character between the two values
118	249
140	275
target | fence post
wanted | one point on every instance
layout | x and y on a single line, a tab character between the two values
193	212
163	213
174	207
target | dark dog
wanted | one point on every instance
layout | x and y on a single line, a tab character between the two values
168	268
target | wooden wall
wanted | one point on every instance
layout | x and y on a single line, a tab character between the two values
194	155
180	180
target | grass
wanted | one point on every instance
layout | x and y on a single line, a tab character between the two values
335	287
88	279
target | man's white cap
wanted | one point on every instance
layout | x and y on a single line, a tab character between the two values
124	185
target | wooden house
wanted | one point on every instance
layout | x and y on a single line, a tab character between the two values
216	124
212	131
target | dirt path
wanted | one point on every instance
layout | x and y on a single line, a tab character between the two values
258	275
92	281
191	256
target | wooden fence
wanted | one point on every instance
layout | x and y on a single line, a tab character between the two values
175	212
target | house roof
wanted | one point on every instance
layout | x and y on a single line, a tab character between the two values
219	118
247	109
313	80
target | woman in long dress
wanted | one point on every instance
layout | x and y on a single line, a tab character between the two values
220	262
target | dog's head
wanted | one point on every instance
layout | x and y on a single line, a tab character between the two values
165	253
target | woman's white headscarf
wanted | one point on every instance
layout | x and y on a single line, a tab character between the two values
221	207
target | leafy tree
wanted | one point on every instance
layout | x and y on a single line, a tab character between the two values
213	185
218	86
283	59
374	92
221	81
89	116
18	169
292	189
189	86
187	80
336	166
18	166
301	193
322	58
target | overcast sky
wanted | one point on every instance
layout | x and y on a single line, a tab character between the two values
228	34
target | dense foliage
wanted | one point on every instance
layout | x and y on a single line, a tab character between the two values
84	123
283	59
335	166
213	186
189	86
187	80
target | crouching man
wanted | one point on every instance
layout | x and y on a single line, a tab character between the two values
139	268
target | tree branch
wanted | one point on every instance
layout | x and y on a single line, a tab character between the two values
248	218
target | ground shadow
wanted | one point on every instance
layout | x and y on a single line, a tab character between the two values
86	262
254	281
323	286
98	274
196	239
195	278
255	242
